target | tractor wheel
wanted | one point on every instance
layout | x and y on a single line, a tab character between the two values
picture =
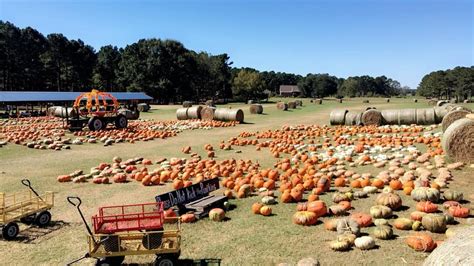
152	240
28	219
121	121
10	231
112	261
111	244
95	124
43	219
166	260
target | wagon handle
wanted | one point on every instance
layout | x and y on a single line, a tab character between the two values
27	183
77	204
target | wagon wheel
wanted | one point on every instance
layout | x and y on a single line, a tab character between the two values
10	231
121	121
152	240
43	219
112	261
166	260
28	219
111	243
95	124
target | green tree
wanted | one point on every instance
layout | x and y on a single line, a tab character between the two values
106	69
248	85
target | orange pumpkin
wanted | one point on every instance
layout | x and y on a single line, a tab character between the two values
356	184
396	185
313	197
256	208
286	197
421	242
378	183
459	211
340	182
265	211
407	190
426	206
363	219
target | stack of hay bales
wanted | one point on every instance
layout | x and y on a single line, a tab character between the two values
189	113
282	106
143	107
256	109
225	114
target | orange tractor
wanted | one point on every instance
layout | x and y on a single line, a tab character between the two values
96	110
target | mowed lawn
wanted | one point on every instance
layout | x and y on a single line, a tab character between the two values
245	239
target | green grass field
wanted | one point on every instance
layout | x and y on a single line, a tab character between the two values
245	239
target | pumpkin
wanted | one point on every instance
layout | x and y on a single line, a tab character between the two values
256	208
381	221
339	245
426	206
318	207
363	219
268	200
244	191
449	218
360	194
188	218
383	232
370	189
338	197
169	213
296	194
349	237
330	224
403	223
340	182
229	194
356	184
364	242
265	210
347	225
420	242
216	214
378	183
286	197
434	223
313	197
416	226
305	218
407	190
450	203
391	200
337	210
380	211
452	195
345	204
425	194
459	211
417	215
396	185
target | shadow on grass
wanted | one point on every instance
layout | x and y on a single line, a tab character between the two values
33	233
185	262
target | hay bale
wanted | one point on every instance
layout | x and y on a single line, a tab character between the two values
452	116
318	101
441	103
407	116
353	119
454	100
365	101
250	102
130	115
371	117
457	250
292	105
425	116
340	100
390	117
432	102
60	111
299	103
224	114
415	100
337	117
182	113
207	113
256	109
210	103
143	107
194	112
187	104
440	112
387	100
458	140
282	106
467	101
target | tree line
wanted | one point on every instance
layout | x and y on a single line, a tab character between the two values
455	83
166	70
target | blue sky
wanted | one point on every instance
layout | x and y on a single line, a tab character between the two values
402	39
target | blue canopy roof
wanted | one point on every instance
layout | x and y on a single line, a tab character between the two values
51	96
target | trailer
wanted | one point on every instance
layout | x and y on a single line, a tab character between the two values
130	230
27	207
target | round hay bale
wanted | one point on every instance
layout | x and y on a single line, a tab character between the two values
224	114
210	103
365	101
143	107
458	140
187	104
440	112
292	105
425	116
353	119
207	113
256	109
250	102
337	117
340	100
432	102
60	111
194	112
299	103
318	101
407	116
390	117
371	117
454	100
387	100
282	106
182	113
441	103
415	100
467	101
456	250
452	116
130	115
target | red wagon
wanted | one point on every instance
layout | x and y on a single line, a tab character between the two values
135	217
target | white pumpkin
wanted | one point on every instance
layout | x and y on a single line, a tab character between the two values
364	242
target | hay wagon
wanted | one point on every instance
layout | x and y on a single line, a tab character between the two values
27	207
129	230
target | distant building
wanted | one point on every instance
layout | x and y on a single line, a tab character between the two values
289	91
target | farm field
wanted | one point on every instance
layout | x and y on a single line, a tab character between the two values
245	239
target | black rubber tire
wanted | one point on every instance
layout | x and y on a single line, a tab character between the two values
152	240
165	260
10	231
112	261
95	124
43	219
111	244
121	121
28	220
